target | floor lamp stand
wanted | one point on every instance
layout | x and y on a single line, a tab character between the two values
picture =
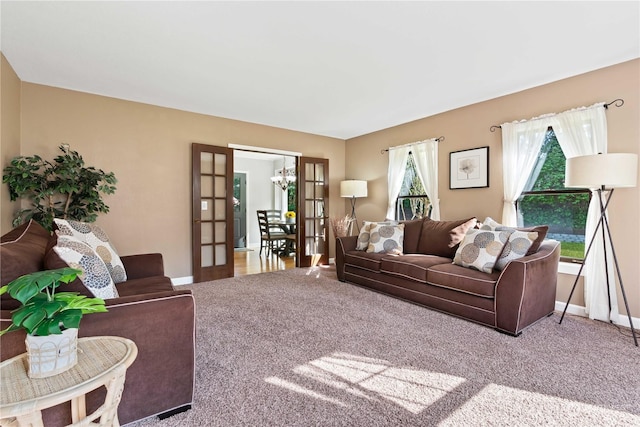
353	216
603	224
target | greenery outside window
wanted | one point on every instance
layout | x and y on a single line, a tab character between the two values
412	202
547	201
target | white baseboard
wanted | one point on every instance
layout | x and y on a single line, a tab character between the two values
577	310
187	280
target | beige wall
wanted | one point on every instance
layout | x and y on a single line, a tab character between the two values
9	134
149	150
468	127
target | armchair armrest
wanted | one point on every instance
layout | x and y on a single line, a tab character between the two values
343	245
526	289
141	266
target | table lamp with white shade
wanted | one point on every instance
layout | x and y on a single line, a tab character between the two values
604	172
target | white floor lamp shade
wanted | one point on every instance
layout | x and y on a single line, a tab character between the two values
614	170
353	188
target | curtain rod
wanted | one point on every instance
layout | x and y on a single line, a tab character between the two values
384	150
616	102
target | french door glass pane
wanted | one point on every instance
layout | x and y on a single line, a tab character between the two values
207	256
206	163
206	233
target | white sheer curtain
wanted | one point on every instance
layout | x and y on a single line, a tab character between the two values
582	132
397	166
425	156
521	143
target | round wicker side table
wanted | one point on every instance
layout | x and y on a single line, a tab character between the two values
102	361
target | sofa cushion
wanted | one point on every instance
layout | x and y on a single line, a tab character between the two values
463	279
516	247
411	266
147	285
480	249
442	237
412	230
22	250
367	260
386	238
95	275
98	240
491	224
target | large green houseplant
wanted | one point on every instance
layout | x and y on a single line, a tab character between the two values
64	188
51	319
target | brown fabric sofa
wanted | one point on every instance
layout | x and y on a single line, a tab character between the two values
159	319
508	300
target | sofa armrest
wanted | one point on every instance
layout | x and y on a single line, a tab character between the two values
343	245
141	266
526	289
162	377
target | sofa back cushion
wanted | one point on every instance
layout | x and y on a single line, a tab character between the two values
22	251
441	238
412	230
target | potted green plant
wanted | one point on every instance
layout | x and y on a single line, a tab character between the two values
51	319
64	188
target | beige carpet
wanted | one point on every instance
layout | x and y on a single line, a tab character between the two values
299	348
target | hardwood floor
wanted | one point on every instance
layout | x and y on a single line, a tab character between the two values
251	262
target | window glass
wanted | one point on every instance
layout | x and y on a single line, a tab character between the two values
412	201
547	201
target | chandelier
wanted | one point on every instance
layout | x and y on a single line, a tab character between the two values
284	177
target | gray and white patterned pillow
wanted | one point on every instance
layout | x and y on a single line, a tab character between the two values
386	238
516	247
480	249
363	236
95	275
98	240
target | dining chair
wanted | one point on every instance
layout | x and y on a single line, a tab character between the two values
271	236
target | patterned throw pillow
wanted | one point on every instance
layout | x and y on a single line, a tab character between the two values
516	247
98	240
386	238
95	275
491	224
480	249
363	237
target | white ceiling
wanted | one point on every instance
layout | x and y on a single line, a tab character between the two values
338	69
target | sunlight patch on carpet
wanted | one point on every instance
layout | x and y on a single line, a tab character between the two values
373	379
513	406
303	390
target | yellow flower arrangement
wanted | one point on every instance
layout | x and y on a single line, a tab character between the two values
289	215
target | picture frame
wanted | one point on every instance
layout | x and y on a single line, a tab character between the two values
469	168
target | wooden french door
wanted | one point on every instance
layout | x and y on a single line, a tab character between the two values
212	212
313	209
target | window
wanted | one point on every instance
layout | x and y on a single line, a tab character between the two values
546	201
412	201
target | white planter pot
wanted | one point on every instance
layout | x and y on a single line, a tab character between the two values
52	354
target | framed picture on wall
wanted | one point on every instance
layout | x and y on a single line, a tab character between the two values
469	168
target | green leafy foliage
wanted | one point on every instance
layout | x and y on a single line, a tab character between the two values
564	212
43	311
64	188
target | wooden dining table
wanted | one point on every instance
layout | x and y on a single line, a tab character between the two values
289	228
